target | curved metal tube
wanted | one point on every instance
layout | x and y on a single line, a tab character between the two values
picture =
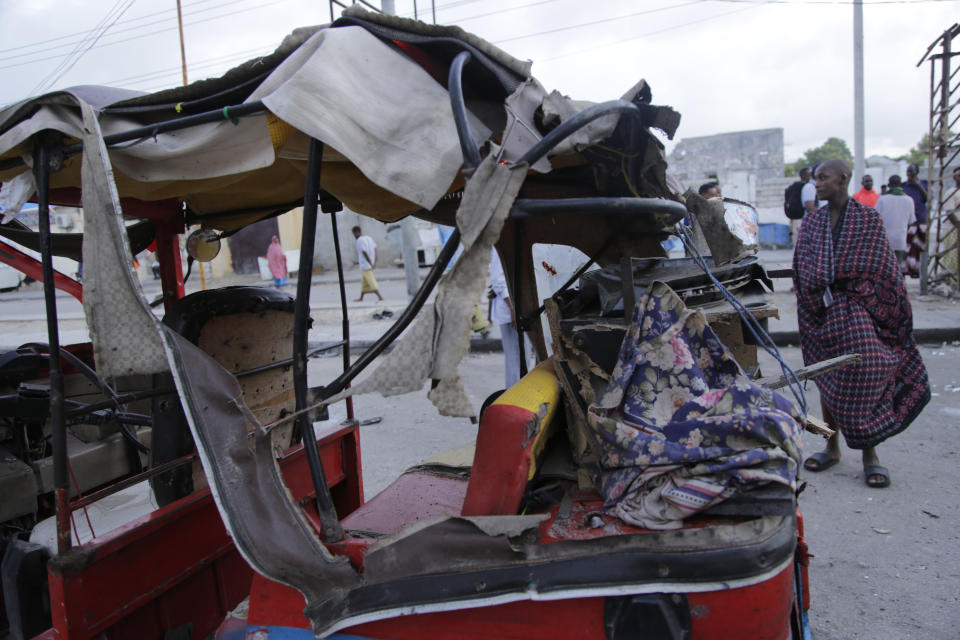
534	207
332	530
581	119
471	154
345	319
77	364
215	115
61	482
516	293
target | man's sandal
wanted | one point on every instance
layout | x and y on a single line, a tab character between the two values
872	470
820	461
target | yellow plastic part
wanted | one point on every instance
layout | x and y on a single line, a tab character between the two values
280	131
539	393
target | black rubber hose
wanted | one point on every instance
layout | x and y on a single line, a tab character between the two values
471	154
578	121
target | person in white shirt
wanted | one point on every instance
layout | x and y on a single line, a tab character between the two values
808	195
367	257
501	313
897	210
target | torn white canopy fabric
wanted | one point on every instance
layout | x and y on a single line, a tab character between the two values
202	151
440	336
125	333
381	110
53	115
123	329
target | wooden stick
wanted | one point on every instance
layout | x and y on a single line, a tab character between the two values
812	371
813	425
818	427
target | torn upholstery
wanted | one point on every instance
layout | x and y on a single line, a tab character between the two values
680	427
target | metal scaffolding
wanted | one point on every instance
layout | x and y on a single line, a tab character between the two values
942	265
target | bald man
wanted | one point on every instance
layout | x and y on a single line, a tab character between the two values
851	298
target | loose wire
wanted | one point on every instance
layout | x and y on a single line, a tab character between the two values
762	337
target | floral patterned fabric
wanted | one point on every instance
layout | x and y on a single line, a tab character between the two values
680	427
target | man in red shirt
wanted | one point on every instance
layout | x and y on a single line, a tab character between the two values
867	196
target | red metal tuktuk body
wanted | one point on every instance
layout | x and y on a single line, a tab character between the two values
249	524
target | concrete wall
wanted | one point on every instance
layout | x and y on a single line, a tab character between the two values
769	199
747	164
288	226
324	254
725	156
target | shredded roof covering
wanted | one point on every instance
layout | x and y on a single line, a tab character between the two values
372	88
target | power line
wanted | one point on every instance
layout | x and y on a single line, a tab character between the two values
86	38
233	11
501	11
449	5
203	64
866	3
156	32
751	5
596	22
67	44
745	4
75	55
85	33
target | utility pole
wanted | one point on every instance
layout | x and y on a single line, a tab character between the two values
409	238
183	67
859	162
183	49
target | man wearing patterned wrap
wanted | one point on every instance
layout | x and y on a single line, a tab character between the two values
851	298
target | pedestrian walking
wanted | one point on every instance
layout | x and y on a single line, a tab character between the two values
367	257
501	314
277	262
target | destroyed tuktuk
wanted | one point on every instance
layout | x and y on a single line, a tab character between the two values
634	479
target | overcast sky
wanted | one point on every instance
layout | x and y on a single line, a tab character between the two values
726	65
